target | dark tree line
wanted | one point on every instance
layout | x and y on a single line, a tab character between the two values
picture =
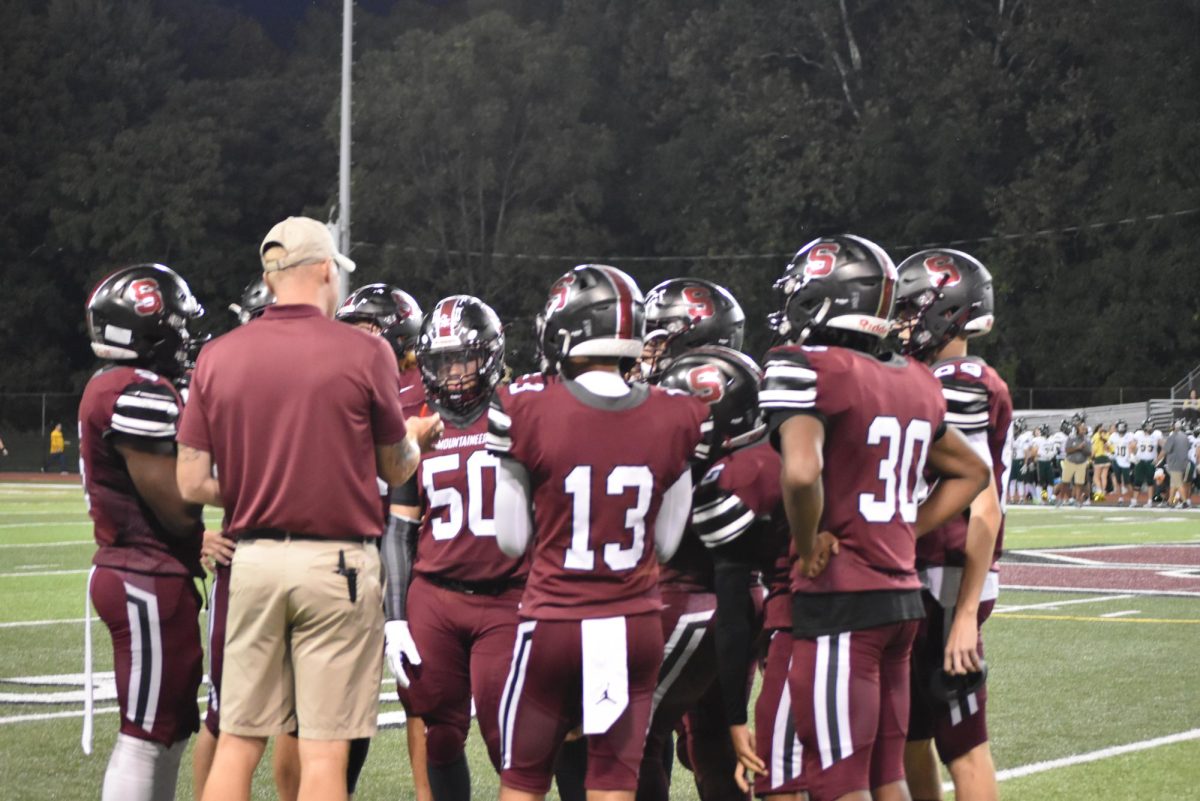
180	130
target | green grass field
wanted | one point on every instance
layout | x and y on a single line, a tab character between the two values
1065	681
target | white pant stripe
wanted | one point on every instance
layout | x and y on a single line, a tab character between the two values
843	695
783	770
145	656
820	701
685	639
513	686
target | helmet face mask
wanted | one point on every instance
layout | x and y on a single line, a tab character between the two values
140	314
460	352
256	297
593	311
837	290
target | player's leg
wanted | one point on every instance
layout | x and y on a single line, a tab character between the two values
440	694
491	652
687	669
961	734
887	757
615	756
921	766
206	741
539	704
710	749
158	663
775	738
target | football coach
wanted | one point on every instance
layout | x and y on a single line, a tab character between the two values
299	413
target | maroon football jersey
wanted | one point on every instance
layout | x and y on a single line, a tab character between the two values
598	468
979	405
457	482
881	415
135	403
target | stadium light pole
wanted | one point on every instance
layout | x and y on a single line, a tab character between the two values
344	161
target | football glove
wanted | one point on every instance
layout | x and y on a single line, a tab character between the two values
399	648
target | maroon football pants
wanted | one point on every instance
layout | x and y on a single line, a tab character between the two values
542	702
850	699
956	727
155	627
775	738
465	642
218	611
687	685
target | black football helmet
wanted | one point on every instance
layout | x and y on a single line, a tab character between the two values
942	294
1064	425
1044	429
1147	425
693	313
140	314
727	380
1019	425
393	310
593	310
256	297
837	290
1122	427
460	351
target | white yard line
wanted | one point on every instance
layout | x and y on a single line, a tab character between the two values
17	624
1099	566
1074	560
1054	604
1091	756
44	573
1102	590
1124	613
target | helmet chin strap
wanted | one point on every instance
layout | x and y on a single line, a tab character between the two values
816	320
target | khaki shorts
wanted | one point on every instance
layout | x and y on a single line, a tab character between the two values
298	652
1074	473
1176	479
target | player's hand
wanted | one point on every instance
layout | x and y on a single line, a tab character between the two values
961	656
216	549
749	762
426	431
826	547
399	648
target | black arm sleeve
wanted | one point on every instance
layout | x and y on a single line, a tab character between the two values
733	633
396	552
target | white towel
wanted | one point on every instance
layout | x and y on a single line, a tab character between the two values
605	673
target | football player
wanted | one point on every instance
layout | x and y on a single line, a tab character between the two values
455	607
595	477
1045	449
1122	445
945	299
683	314
865	424
149	539
394	314
1147	442
1062	491
1019	486
738	516
256	297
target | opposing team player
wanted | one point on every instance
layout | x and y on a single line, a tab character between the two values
944	299
1018	483
456	605
1122	444
864	425
149	539
1147	442
738	516
595	477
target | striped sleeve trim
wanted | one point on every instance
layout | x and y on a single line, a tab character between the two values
146	410
720	517
966	406
788	385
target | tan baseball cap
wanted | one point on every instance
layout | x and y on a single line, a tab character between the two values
304	241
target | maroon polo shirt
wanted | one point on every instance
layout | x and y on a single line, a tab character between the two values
291	407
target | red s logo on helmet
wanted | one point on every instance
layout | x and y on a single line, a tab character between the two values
147	298
821	259
706	383
559	294
700	302
943	270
